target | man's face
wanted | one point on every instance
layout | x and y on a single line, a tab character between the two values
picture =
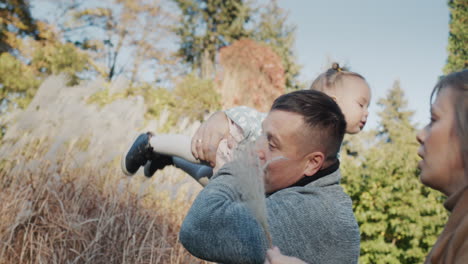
283	147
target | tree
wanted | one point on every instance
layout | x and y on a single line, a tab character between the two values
18	82
16	78
458	37
15	22
207	26
33	51
252	75
273	30
192	99
399	218
122	36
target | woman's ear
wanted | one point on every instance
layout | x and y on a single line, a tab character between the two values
314	163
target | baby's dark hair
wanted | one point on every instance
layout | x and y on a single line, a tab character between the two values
322	117
327	81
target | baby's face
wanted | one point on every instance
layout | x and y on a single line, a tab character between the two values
353	96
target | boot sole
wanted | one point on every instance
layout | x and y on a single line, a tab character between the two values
123	166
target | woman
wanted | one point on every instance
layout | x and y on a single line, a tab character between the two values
444	153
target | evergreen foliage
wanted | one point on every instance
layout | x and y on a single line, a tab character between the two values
208	25
458	37
399	218
273	29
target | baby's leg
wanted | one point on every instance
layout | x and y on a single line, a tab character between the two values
155	152
173	145
199	172
179	147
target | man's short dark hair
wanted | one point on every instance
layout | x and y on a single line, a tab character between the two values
321	115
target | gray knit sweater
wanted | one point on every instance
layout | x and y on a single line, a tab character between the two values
314	222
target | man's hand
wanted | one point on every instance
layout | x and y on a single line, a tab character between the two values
274	256
206	139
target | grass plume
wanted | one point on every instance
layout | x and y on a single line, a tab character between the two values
249	175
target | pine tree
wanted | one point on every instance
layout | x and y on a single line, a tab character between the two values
207	26
273	29
458	37
399	218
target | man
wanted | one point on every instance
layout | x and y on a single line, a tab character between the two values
309	215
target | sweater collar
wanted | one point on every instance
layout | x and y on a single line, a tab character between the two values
321	173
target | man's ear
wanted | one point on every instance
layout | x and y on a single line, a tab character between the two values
314	163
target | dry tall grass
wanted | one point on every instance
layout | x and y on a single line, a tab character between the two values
89	216
64	198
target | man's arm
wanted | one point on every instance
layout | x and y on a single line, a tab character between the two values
315	224
219	226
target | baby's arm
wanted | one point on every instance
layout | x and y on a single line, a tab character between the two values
205	142
218	127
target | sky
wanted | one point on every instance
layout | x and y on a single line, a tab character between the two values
384	41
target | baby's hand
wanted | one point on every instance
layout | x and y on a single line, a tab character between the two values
206	139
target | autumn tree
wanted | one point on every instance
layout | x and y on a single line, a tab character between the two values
458	37
399	218
251	74
32	50
122	36
209	25
16	22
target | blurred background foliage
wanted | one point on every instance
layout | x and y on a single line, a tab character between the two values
399	218
171	54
